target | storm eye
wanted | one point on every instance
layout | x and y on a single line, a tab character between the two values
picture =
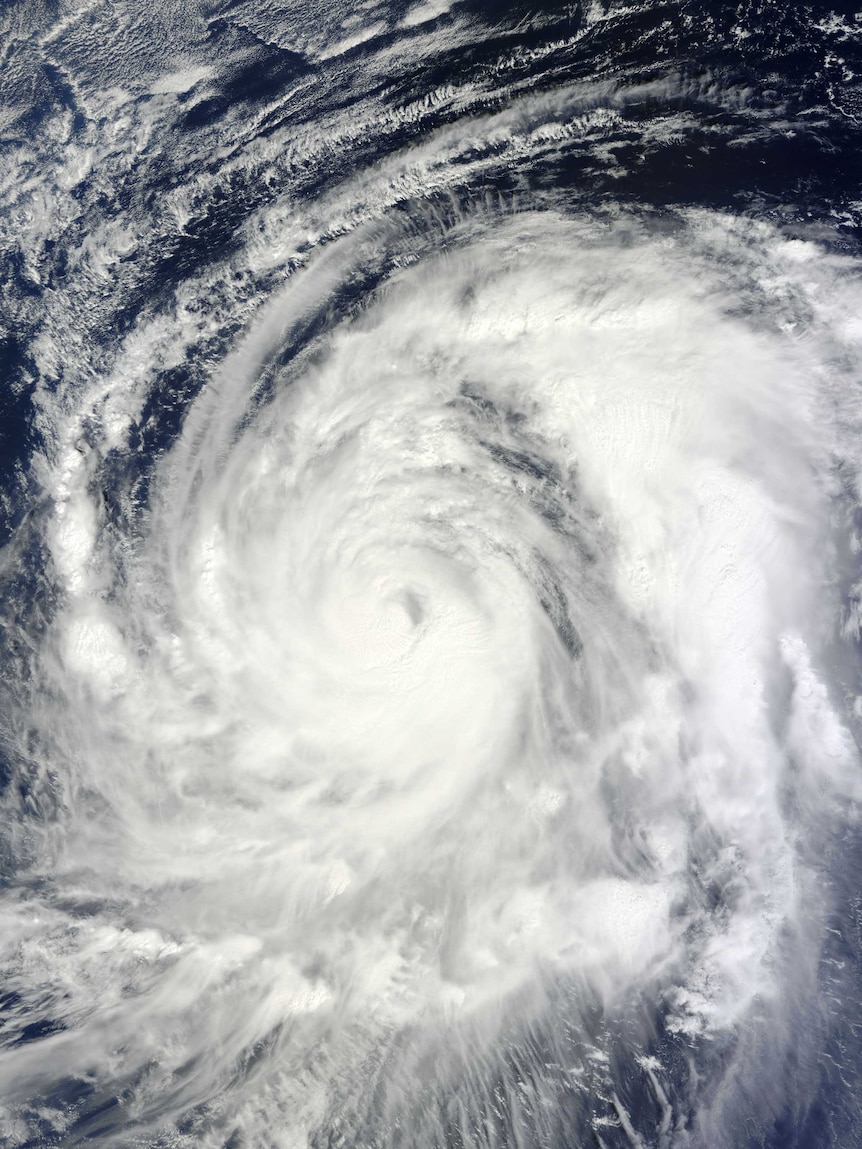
413	607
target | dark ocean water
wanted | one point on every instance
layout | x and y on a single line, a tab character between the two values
430	509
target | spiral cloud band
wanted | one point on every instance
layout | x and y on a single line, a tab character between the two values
431	682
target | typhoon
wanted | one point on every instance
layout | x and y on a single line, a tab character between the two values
431	507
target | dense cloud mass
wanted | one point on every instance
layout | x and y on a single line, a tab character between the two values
431	513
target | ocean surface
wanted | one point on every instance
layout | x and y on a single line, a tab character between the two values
430	530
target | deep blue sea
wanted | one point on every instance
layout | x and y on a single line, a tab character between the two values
430	586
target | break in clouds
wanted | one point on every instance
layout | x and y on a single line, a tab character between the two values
430	669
